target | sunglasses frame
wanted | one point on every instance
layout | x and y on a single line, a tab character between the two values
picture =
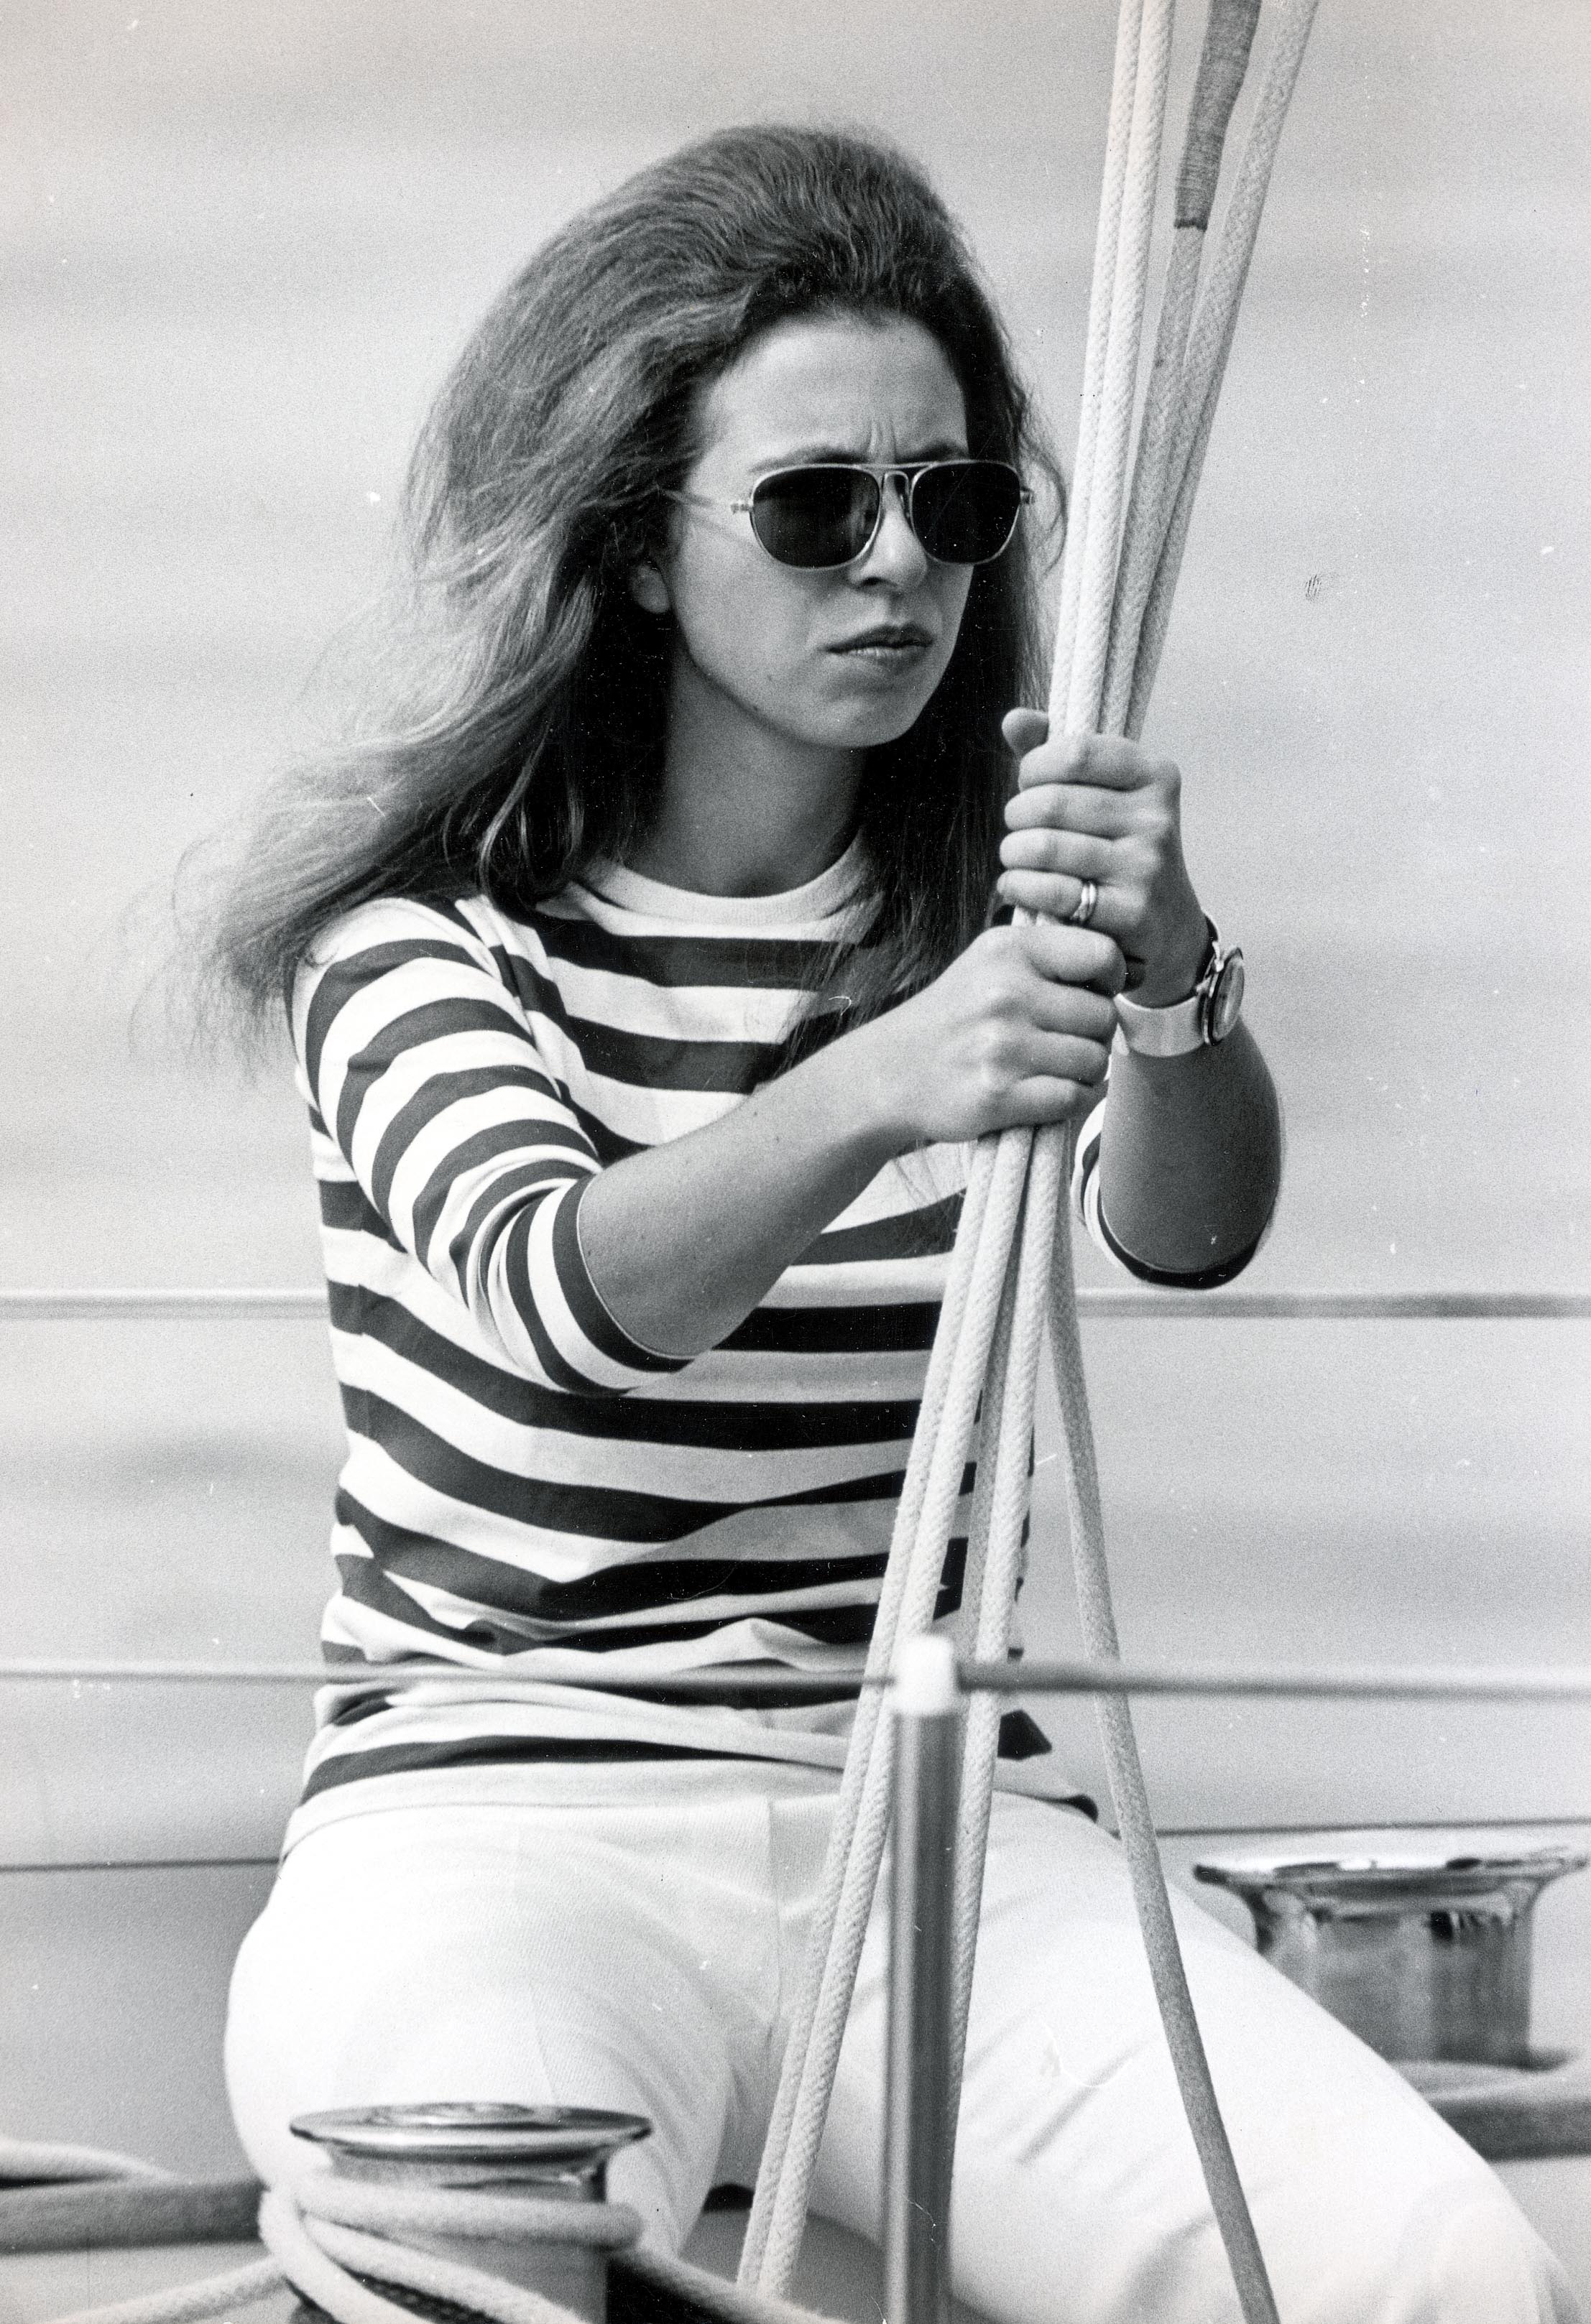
883	476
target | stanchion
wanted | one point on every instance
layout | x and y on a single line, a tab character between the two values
918	2141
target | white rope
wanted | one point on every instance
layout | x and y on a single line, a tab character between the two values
1229	33
863	1731
855	1848
1006	1450
216	2295
33	2163
1210	341
1000	1309
730	2301
325	2261
469	2214
1101	296
1107	480
984	1244
325	2232
1135	1821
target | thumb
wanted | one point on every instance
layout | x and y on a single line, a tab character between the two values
1024	730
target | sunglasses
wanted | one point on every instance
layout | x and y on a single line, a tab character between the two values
827	514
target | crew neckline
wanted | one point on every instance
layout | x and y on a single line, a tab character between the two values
821	898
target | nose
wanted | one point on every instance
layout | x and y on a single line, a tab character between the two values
894	556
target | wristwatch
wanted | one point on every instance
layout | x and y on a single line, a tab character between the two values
1206	1016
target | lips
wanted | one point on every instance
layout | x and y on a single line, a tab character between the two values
893	636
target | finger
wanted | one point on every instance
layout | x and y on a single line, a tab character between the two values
1073	807
1108	761
1084	957
1065	1058
1074	1012
1032	1103
1056	896
1046	848
1024	730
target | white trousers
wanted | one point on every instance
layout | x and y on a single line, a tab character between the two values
634	1939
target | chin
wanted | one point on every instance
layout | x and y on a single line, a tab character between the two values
867	725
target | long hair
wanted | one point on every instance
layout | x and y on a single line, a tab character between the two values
521	739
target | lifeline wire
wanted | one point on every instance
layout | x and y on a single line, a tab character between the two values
777	1685
996	1326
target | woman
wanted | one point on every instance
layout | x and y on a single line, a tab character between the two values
645	1006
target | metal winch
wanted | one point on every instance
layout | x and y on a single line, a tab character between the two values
1424	1957
557	2152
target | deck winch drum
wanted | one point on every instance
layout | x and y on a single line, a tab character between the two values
1425	1957
558	2152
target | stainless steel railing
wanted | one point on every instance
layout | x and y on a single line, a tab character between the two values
204	1304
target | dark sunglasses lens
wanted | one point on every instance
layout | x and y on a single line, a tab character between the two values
814	517
965	511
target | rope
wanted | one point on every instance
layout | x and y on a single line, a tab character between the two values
730	2301
33	2163
1000	1312
327	2234
1211	342
1104	492
470	2214
1009	1394
242	2287
1135	1821
324	2261
855	1848
1229	33
1101	297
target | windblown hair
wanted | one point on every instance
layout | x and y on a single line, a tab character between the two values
522	740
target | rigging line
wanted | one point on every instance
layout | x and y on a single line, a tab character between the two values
756	2264
1085	677
1101	294
861	1823
1229	32
1213	329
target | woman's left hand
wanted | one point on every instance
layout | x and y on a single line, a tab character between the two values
1096	808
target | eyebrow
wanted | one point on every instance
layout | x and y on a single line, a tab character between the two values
847	456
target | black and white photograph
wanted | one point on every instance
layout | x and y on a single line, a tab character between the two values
795	1230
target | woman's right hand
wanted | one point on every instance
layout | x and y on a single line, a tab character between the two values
1017	1031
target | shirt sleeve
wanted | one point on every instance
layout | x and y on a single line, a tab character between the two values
1086	1184
424	1070
1087	1203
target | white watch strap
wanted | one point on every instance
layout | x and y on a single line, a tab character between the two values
1163	1032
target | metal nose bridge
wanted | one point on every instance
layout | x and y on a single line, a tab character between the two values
904	479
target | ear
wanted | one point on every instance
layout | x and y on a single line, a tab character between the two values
649	589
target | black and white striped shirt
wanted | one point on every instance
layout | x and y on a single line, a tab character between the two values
524	1479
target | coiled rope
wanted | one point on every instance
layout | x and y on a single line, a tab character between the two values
1011	1266
336	2242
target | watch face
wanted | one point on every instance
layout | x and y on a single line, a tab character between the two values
1225	1005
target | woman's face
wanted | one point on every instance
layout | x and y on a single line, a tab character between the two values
833	661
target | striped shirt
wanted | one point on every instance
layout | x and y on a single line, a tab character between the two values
528	1486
